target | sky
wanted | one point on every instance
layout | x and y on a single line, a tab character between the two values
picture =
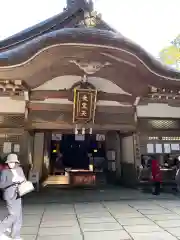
153	24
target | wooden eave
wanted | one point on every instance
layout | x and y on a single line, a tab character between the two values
68	18
82	36
162	95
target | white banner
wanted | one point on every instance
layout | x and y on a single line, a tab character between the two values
34	177
79	137
56	137
7	147
100	137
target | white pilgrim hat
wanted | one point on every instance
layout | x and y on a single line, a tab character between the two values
12	158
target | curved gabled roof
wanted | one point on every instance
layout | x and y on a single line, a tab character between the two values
91	36
70	17
54	23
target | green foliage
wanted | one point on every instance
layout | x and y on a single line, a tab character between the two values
176	42
171	55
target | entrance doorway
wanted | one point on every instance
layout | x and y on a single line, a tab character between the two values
80	155
77	152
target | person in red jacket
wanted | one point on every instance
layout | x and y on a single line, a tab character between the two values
3	166
156	176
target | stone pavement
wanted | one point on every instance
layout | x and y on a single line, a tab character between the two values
157	219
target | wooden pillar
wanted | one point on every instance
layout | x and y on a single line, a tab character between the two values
113	144
46	155
38	153
129	173
26	151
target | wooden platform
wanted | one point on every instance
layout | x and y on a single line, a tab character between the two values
56	180
72	178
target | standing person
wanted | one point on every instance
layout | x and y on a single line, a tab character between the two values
59	166
177	177
10	178
156	176
2	167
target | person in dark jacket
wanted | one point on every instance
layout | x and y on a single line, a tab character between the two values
1	192
177	176
156	176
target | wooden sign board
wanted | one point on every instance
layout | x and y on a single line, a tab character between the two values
86	180
84	105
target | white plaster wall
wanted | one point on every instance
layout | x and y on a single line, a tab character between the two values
127	149
8	105
66	82
159	110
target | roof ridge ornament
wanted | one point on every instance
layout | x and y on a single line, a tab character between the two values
91	18
89	3
70	3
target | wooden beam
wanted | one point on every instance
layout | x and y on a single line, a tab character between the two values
69	108
97	127
41	95
13	131
115	97
67	117
50	107
45	94
170	102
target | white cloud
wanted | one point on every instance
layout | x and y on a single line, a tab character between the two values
20	14
150	23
